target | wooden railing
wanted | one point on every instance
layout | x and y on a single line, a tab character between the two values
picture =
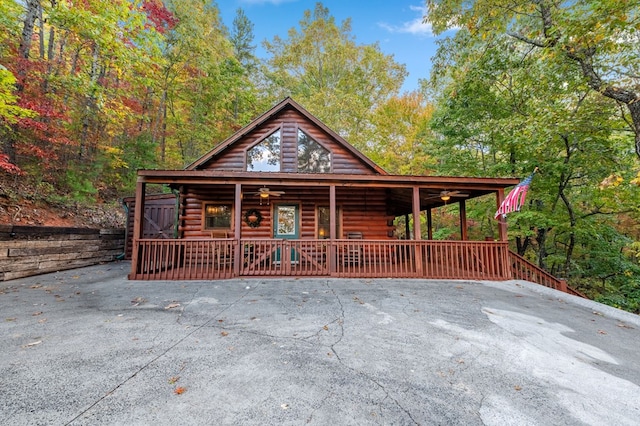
522	269
160	259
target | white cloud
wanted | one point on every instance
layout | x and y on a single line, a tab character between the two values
415	26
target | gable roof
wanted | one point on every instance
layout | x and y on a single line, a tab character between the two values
287	103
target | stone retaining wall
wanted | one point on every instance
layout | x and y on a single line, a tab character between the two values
33	250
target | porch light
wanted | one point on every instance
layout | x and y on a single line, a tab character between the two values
213	210
264	196
445	197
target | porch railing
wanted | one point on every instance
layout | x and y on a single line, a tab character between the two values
161	259
522	269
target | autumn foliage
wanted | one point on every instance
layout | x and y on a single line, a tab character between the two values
91	91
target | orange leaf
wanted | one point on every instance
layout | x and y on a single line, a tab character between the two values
179	390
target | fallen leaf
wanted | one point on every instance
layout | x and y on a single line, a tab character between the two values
326	327
32	344
284	406
602	332
35	314
179	390
174	379
172	305
220	320
517	388
224	334
623	325
138	300
42	321
10	319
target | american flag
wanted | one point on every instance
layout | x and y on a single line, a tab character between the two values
514	201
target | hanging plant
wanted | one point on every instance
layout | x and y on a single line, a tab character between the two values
252	217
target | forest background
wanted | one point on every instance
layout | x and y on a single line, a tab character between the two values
93	90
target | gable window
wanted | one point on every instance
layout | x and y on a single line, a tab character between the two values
323	223
265	156
217	216
312	157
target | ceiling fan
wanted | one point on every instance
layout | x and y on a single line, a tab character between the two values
447	195
264	193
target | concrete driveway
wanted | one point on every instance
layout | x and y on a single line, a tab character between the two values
87	347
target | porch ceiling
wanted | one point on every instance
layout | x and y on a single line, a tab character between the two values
399	187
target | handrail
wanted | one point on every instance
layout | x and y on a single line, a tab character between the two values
522	269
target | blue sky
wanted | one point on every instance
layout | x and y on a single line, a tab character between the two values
395	24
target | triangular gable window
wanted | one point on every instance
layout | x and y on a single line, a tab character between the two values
265	156
312	157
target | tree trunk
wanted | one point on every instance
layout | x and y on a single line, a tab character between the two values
522	245
541	239
41	33
32	9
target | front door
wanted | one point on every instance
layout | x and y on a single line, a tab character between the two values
286	225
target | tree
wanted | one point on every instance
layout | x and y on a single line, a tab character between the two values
339	81
599	37
504	108
10	113
399	144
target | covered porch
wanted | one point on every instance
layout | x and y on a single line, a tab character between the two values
350	247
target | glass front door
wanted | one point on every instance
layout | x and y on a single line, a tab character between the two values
286	225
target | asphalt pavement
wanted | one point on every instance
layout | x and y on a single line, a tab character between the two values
89	347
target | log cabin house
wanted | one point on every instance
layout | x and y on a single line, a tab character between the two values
287	196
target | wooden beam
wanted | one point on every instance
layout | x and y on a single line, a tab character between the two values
463	221
260	178
138	224
416	214
237	228
417	233
332	229
407	227
429	224
502	222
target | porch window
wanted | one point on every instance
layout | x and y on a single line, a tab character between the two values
217	216
265	156
323	222
312	157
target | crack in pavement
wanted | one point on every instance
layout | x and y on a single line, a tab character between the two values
358	372
157	357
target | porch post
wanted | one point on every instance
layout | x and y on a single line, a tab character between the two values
138	223
237	226
502	223
332	229
429	224
463	221
417	234
407	228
